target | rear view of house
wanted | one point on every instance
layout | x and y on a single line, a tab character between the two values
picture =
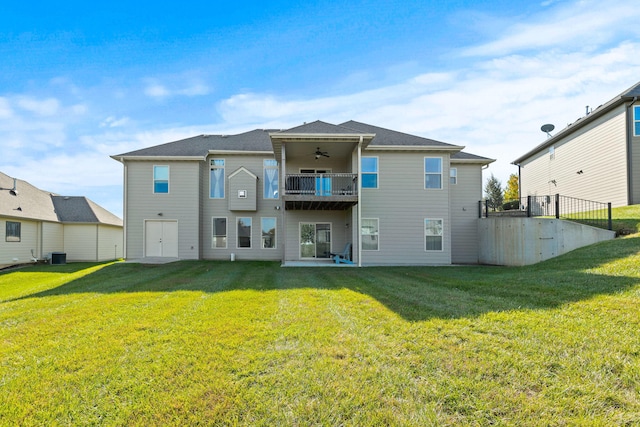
377	196
37	223
595	158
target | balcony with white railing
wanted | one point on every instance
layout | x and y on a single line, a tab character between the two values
320	191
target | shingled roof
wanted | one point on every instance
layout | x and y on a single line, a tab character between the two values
30	203
259	140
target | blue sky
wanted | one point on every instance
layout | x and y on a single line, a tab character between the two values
81	81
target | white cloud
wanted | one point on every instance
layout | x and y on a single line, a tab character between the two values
113	122
581	24
44	107
5	109
157	90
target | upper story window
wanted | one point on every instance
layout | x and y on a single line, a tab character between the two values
636	120
369	172
13	232
453	176
270	179
216	179
161	179
552	152
433	172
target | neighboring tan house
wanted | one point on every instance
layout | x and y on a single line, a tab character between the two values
34	223
301	194
595	158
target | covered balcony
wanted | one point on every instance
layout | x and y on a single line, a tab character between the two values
320	191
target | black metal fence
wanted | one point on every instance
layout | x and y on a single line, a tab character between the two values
597	214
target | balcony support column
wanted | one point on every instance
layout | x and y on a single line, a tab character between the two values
359	206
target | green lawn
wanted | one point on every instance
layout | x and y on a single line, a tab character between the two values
251	343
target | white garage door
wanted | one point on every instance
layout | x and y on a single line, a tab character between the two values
161	239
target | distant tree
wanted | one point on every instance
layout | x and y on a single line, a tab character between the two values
493	193
512	190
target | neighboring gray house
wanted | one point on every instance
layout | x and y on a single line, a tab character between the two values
595	158
303	193
34	223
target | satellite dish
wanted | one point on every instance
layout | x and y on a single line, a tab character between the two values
547	128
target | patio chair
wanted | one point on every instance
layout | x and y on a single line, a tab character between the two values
343	257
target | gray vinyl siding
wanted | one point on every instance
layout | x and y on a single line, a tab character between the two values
599	150
18	252
180	204
242	181
464	213
401	203
216	208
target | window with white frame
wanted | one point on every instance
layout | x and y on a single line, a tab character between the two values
369	172
268	226
13	232
433	234
270	179
636	120
219	233
369	234
433	172
216	179
552	152
161	179
244	232
453	176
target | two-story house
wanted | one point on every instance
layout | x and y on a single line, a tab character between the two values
595	158
302	194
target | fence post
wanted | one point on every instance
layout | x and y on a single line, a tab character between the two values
528	206
486	208
610	222
557	206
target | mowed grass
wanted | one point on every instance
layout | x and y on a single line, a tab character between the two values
251	343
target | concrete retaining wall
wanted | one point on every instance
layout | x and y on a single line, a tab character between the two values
524	241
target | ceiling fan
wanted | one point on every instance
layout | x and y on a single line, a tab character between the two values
319	153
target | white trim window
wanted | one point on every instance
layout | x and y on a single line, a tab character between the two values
244	232
433	234
453	176
552	152
268	227
433	172
369	232
216	179
636	120
219	233
160	179
270	179
369	172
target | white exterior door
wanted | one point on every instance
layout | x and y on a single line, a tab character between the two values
161	239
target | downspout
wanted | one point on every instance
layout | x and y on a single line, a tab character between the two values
359	209
630	153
